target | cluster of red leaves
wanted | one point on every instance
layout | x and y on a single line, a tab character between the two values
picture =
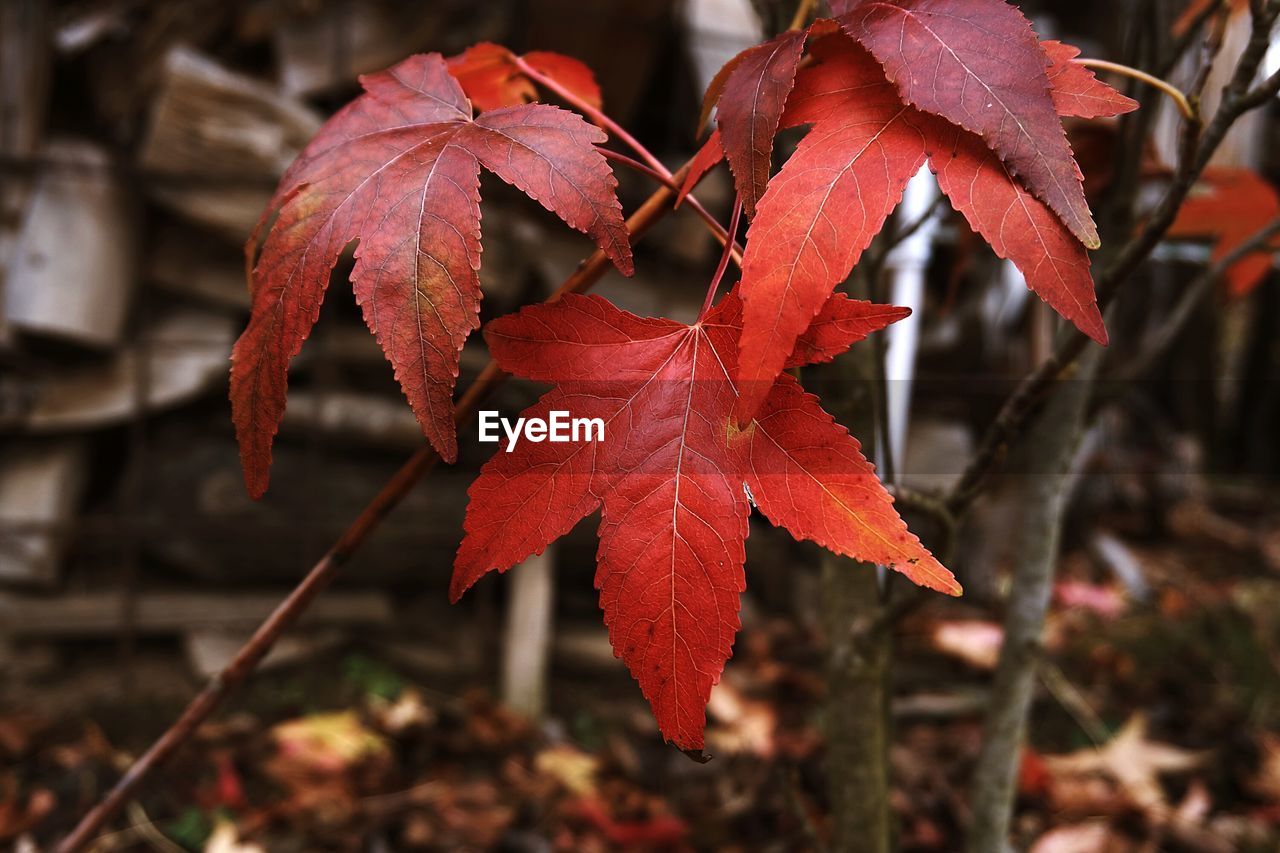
701	422
986	119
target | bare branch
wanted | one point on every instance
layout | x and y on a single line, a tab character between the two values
1184	42
1197	149
1195	293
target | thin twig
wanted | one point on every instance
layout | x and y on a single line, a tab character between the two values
803	10
1266	91
635	165
930	505
864	632
1073	702
912	227
1194	294
1210	47
876	256
322	573
936	508
1188	37
1174	93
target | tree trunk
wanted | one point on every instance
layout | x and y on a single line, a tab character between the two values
1051	445
857	721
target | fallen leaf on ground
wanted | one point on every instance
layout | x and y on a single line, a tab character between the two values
743	725
1092	837
1266	782
1133	762
406	714
1103	599
327	743
656	830
321	760
574	769
975	641
21	812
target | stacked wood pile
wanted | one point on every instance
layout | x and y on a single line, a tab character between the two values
139	143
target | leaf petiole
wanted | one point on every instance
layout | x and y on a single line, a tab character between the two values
716	229
724	258
650	166
1175	94
596	116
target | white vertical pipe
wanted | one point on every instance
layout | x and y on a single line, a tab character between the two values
528	635
717	30
907	264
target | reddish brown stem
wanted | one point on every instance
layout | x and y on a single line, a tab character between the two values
252	652
716	229
724	258
600	119
597	116
635	165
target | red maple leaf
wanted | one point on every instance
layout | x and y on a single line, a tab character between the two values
1229	205
978	64
752	90
846	176
490	77
398	170
676	478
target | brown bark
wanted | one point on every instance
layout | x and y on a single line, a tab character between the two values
1051	443
856	719
857	712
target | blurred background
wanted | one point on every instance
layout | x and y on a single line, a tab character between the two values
139	143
